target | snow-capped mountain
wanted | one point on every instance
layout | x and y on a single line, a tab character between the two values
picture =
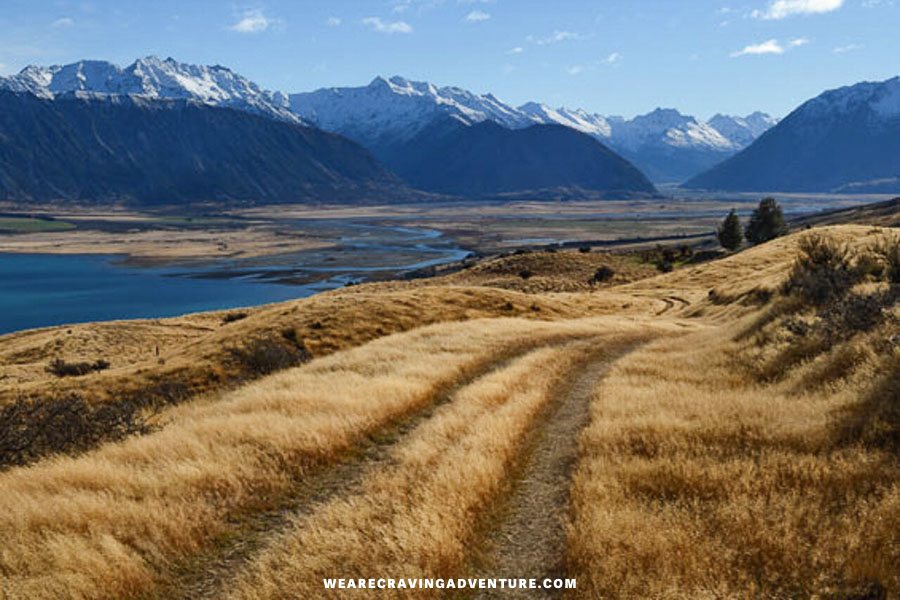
742	130
154	78
394	110
81	148
594	124
847	138
667	145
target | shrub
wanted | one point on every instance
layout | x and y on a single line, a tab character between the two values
822	271
262	356
584	249
766	222
61	368
34	428
729	233
233	316
525	274
888	250
855	313
604	273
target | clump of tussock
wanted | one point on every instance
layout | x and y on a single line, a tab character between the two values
833	293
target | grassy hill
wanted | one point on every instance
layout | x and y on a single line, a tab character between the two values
728	429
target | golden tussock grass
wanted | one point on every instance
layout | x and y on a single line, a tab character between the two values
106	524
417	516
194	348
696	480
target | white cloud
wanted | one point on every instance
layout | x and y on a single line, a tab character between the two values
516	50
252	21
847	48
555	37
613	58
780	9
333	21
574	69
795	43
767	47
381	26
477	15
62	22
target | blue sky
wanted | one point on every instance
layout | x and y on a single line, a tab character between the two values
609	56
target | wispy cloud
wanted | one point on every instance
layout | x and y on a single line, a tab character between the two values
556	37
613	58
401	6
381	26
62	22
252	21
516	50
333	21
477	15
780	9
847	48
767	47
574	69
796	43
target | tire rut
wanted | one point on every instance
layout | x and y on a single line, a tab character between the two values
530	540
207	574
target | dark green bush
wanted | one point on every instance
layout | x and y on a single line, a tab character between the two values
61	368
604	273
234	316
262	356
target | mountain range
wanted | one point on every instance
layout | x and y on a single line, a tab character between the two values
844	140
91	128
665	144
135	149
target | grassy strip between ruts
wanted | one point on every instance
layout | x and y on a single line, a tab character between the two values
417	516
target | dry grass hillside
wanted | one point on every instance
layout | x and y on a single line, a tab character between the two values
727	430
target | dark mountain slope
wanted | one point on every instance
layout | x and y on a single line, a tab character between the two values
81	148
846	138
486	158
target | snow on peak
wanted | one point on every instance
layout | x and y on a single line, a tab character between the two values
742	130
153	78
881	99
397	108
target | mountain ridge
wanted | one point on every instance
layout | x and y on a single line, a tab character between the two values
844	139
133	149
392	110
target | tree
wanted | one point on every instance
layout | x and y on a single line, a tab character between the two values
729	233
766	222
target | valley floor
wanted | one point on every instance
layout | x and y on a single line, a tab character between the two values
704	433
